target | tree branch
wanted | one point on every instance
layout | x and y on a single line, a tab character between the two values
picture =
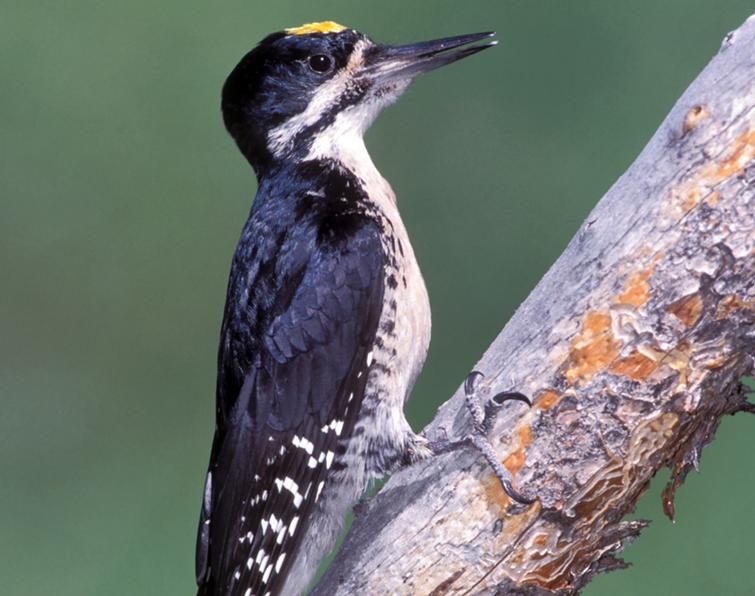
633	346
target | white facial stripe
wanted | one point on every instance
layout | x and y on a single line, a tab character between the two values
343	140
281	138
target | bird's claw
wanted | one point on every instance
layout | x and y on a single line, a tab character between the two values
494	404
483	419
471	381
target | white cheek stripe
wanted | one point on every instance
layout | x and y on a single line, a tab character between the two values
281	138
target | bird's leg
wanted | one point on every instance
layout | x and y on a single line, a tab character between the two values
483	418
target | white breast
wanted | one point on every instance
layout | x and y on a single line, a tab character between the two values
406	312
381	435
404	350
404	328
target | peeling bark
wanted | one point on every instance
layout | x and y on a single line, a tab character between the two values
632	345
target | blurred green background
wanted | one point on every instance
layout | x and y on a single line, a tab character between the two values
121	199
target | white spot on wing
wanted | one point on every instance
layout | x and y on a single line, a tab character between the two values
279	562
293	488
308	446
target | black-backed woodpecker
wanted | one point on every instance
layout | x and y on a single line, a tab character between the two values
327	320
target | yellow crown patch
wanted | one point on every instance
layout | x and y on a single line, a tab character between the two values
321	27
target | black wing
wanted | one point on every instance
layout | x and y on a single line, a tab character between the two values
301	395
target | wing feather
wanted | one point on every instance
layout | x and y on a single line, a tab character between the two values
272	456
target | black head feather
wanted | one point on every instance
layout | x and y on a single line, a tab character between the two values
276	80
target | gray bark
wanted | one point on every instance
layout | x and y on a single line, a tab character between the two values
632	346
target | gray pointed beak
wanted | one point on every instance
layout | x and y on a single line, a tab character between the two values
399	63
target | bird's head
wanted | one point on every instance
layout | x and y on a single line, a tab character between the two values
303	91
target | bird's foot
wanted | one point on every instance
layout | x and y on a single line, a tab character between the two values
483	417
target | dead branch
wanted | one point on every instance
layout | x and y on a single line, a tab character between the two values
633	346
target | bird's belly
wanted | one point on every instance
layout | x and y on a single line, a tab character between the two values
381	436
404	333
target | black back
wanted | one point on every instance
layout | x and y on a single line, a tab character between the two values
304	299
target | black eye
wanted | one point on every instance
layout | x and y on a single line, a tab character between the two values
320	62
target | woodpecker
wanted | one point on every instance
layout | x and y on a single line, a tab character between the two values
327	320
